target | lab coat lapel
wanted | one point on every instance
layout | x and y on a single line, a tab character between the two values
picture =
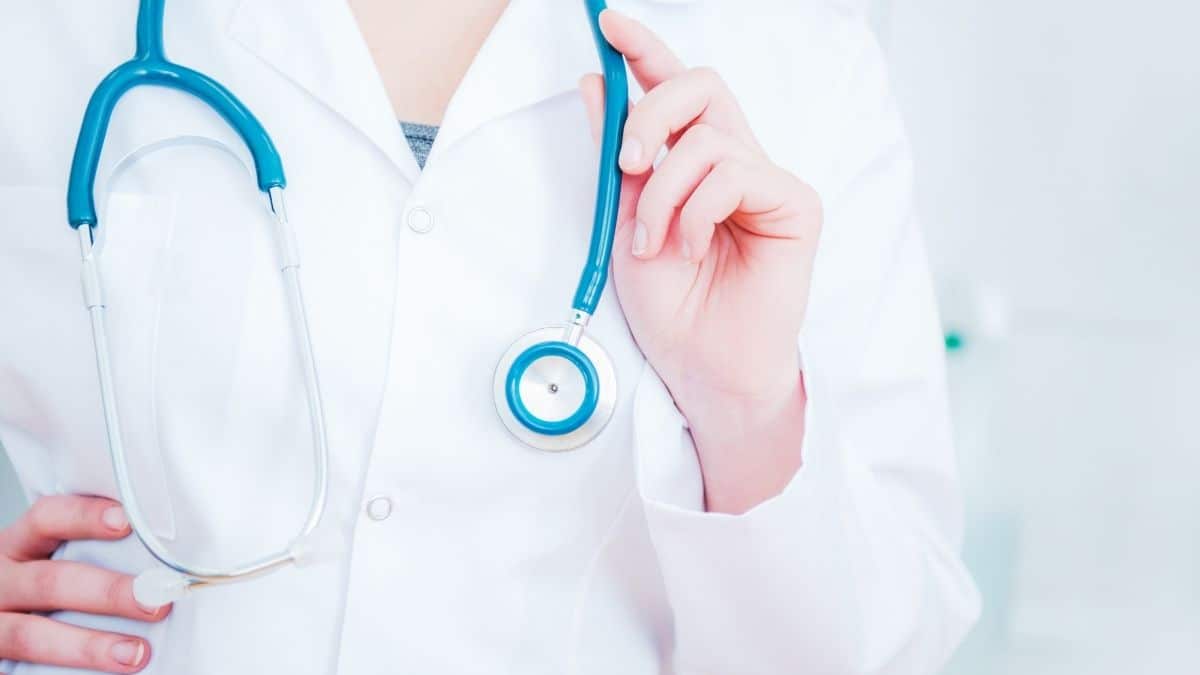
538	49
317	45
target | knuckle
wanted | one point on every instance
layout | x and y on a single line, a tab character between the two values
17	640
116	592
700	134
87	513
709	76
38	517
651	207
639	121
45	582
730	170
95	649
689	217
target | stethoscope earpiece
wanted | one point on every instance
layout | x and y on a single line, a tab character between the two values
159	586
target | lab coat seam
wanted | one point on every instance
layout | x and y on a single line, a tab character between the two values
846	83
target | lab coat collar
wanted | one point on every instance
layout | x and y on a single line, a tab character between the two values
317	45
538	49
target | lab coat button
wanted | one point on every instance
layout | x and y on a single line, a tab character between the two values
420	220
379	508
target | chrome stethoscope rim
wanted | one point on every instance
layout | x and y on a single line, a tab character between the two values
568	436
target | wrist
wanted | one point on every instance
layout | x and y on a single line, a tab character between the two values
749	445
720	407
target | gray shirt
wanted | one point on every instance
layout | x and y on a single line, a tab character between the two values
420	139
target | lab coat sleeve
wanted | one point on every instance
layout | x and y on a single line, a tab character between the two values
854	567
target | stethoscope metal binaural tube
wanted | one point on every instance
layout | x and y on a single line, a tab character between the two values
150	66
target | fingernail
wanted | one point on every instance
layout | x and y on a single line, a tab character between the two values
640	238
114	518
686	250
128	652
631	153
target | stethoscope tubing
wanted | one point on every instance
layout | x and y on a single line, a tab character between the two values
608	184
94	299
150	66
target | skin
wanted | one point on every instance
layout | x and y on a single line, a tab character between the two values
712	264
31	582
422	49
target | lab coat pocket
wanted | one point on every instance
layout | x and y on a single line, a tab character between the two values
48	386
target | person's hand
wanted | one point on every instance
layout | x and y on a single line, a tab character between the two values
712	262
30	582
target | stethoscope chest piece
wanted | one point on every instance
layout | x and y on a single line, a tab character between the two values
553	395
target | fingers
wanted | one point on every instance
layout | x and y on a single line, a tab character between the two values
692	112
30	583
735	186
676	96
30	638
717	196
55	519
672	183
698	96
650	59
591	87
45	585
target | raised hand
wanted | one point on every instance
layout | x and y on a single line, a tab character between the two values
712	263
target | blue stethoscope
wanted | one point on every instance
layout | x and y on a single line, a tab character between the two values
555	388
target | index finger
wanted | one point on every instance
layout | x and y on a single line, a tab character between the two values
52	585
650	60
58	518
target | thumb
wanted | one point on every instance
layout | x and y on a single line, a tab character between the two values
591	86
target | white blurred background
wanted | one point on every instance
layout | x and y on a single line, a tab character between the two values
1058	156
1057	145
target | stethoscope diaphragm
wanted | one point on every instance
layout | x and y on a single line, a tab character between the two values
553	395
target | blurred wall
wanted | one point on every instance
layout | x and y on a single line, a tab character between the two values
1057	146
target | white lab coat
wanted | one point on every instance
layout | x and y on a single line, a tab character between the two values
494	558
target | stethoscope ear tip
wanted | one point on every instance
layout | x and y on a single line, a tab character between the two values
158	587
